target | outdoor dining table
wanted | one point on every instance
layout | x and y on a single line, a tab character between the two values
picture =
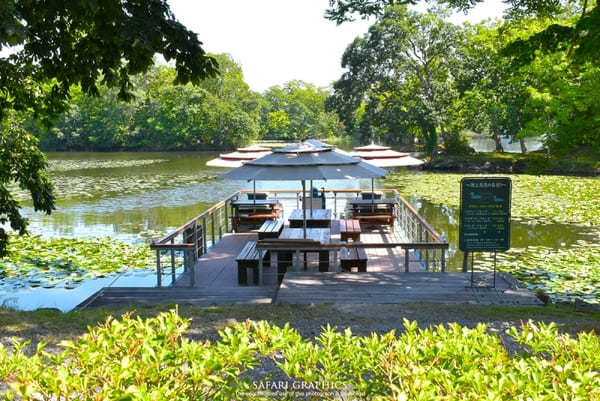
318	218
321	235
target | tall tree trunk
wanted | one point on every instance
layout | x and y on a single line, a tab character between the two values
498	141
523	146
431	144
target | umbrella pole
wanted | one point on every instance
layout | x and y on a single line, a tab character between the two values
372	195
311	198
304	207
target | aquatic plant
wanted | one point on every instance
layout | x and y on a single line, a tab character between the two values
564	274
545	199
65	262
89	187
56	165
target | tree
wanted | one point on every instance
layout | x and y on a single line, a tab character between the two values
22	163
57	44
405	70
582	37
296	110
495	95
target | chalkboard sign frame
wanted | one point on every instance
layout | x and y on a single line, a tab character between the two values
500	189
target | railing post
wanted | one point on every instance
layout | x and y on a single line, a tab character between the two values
335	204
406	260
172	262
204	242
227	216
158	272
443	260
220	223
427	253
212	228
192	271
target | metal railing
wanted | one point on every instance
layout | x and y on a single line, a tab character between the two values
193	239
420	235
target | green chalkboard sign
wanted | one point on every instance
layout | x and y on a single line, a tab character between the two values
485	214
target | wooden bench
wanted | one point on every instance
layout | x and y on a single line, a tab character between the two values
252	219
248	259
376	220
350	229
353	257
374	213
254	212
270	229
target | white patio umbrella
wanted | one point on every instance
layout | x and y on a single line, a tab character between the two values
384	156
239	157
308	160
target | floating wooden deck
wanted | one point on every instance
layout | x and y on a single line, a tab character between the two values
384	282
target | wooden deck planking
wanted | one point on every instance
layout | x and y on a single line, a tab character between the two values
201	296
395	287
384	282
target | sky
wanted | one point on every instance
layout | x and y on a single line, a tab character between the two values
276	41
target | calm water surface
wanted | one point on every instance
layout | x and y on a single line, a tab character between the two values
133	196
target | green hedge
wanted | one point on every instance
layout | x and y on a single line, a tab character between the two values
135	359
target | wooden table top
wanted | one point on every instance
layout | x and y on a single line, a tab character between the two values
317	214
258	202
350	226
322	235
359	201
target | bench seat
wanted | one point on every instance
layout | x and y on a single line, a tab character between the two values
353	257
270	229
350	229
248	258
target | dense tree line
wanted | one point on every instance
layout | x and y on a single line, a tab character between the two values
417	76
220	112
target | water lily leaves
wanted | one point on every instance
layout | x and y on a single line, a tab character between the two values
49	263
537	199
565	273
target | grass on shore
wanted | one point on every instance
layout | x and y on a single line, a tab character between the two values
52	326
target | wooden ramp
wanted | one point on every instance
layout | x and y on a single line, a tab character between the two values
394	287
202	296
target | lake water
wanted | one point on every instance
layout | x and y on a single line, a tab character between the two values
133	196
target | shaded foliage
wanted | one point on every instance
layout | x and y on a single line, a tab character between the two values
61	44
54	45
21	162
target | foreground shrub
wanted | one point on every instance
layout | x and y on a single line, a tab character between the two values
150	359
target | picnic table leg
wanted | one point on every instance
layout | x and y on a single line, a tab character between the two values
260	267
298	259
335	266
323	261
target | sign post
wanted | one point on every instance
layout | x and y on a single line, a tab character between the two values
485	216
